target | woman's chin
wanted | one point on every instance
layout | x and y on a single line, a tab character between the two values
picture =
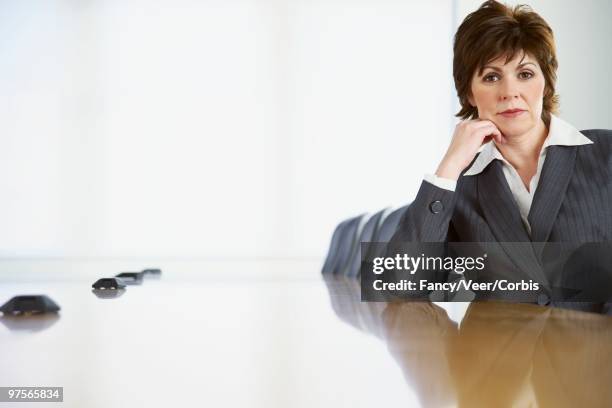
514	130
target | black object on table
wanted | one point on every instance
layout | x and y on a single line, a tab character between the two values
29	304
109	283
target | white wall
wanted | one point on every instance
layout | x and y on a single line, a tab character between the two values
236	128
213	128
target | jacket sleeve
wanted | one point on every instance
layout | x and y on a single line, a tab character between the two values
428	218
425	229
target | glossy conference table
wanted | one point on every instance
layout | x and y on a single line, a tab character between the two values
274	333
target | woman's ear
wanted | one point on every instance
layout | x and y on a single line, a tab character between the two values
471	101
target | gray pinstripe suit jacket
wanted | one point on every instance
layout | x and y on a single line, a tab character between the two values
572	204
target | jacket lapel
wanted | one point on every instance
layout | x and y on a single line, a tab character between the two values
498	205
504	219
555	177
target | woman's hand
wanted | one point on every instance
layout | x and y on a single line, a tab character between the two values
468	137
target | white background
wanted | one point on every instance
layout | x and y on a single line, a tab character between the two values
237	128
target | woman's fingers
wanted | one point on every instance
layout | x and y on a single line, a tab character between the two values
495	132
468	136
500	137
487	133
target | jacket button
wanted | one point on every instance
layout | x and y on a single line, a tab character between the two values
543	299
436	207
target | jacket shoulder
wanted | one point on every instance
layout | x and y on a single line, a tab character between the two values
601	149
598	135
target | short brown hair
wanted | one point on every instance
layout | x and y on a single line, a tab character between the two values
496	30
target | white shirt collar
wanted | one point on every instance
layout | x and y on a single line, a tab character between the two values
560	133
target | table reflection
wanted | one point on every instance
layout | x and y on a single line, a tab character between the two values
500	355
30	322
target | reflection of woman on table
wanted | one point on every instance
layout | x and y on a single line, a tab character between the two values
505	354
501	355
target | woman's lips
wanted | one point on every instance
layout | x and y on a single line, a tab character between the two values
512	114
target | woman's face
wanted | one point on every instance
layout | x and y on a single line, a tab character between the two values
516	85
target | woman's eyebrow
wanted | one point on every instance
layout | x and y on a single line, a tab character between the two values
499	70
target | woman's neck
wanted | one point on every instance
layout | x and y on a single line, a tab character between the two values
523	151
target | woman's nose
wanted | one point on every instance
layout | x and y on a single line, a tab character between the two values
509	89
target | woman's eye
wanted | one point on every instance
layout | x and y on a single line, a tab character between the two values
491	77
525	75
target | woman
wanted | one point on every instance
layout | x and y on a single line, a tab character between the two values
514	172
